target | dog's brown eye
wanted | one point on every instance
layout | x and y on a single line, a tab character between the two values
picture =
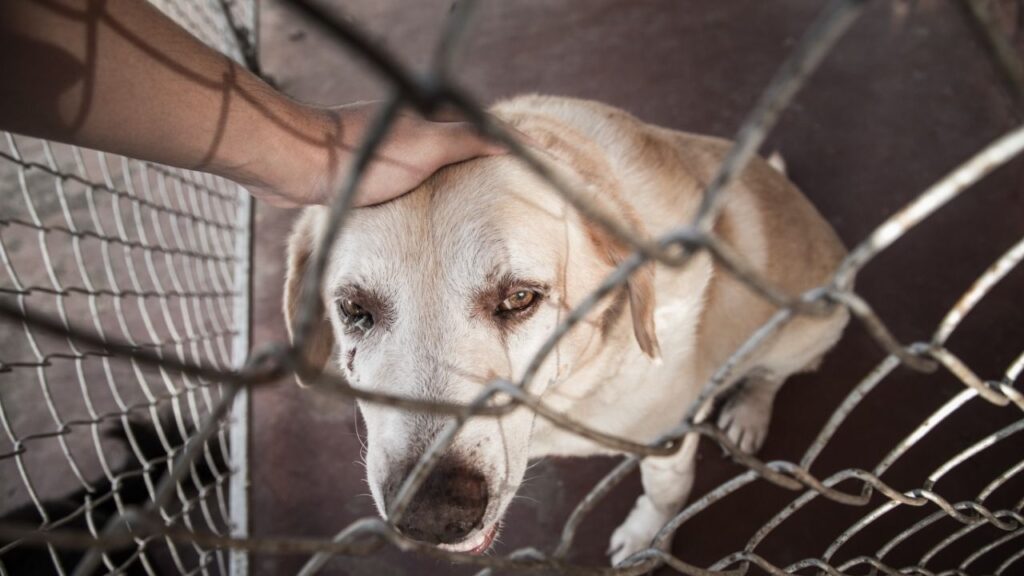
355	315
518	300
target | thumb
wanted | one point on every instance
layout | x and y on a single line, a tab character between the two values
462	142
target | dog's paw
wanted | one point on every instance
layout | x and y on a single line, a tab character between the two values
745	417
637	532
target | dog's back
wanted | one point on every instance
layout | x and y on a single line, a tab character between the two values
764	218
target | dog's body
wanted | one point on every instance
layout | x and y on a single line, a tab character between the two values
441	276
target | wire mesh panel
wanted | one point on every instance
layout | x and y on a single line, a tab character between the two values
154	258
173	350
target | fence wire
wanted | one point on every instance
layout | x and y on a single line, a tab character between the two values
153	258
190	222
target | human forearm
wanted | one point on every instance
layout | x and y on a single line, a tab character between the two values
117	75
122	77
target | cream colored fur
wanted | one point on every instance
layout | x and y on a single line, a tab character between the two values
432	253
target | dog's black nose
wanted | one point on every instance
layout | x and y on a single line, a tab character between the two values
447	507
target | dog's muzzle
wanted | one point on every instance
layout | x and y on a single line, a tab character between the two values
448	506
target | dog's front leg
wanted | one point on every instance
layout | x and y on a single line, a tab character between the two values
667	482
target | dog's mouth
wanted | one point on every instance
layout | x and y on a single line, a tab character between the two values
476	544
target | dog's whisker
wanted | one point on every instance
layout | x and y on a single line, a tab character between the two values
519	497
536	462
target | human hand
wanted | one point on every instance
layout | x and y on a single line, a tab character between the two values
313	172
173	100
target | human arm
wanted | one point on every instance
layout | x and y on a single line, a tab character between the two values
122	77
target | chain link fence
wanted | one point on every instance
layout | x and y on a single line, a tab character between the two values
172	313
154	258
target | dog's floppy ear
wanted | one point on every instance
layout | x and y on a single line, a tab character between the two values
302	245
589	164
639	287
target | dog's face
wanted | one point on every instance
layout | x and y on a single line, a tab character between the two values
437	293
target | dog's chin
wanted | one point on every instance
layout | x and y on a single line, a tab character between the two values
478	543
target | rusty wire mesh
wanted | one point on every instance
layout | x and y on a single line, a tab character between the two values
851	486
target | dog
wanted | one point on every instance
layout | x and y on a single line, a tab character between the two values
434	294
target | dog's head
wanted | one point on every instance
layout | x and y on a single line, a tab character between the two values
435	294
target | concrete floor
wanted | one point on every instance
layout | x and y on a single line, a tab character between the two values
900	101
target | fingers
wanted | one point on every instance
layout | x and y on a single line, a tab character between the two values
414	148
462	142
447	113
451	114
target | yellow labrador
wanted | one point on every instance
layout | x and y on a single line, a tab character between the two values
434	294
